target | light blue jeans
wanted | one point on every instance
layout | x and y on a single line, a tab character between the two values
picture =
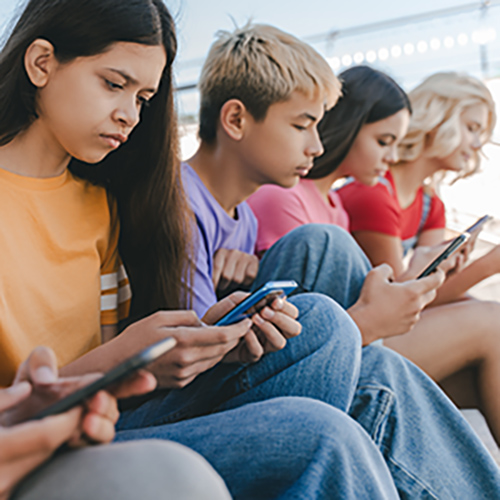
259	427
430	449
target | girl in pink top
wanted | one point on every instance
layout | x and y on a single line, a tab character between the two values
279	210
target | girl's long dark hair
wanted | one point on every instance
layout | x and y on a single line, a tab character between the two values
143	176
368	96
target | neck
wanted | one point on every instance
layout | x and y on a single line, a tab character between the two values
34	153
411	175
223	173
325	183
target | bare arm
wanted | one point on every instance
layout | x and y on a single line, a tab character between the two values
382	249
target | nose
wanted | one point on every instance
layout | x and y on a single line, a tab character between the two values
392	155
476	143
128	113
315	148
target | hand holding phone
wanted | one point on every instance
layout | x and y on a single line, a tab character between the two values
454	245
259	299
478	225
45	400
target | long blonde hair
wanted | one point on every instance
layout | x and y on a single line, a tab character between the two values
438	103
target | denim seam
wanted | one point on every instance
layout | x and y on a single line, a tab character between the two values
376	433
422	485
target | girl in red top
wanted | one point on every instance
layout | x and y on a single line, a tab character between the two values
455	343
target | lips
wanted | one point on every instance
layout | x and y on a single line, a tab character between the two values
114	140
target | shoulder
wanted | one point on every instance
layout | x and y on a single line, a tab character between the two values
270	198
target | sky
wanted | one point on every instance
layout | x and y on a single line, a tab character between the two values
198	20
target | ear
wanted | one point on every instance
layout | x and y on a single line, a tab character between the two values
39	62
233	118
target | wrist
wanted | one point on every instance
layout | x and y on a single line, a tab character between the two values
357	312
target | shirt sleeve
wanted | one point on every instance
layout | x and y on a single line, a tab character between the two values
278	211
371	208
437	216
115	287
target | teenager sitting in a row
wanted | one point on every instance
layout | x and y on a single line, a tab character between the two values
457	343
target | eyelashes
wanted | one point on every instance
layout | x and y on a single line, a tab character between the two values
143	102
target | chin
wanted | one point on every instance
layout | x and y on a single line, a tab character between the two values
289	183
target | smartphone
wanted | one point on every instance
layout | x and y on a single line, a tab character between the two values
120	372
454	245
478	225
257	301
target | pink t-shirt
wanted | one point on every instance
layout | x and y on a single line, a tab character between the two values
279	210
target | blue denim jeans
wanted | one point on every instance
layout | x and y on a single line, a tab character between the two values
258	425
430	449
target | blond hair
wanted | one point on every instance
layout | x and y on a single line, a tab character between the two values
438	103
260	65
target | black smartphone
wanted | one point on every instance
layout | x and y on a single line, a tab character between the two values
257	301
478	225
454	245
120	372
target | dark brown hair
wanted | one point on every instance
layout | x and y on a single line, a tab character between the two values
143	176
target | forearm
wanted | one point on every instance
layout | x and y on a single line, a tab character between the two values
458	284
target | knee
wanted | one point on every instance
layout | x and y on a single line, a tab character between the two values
322	316
308	426
172	466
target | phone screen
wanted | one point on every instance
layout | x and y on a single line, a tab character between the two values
257	301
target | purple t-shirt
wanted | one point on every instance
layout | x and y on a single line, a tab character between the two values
215	229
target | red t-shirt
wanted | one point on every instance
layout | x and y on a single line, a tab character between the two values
376	208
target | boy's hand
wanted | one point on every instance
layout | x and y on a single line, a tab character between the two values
233	269
385	308
271	328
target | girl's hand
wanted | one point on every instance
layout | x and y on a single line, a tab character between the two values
272	326
25	446
199	347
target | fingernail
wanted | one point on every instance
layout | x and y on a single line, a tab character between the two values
18	389
278	304
44	375
258	320
267	313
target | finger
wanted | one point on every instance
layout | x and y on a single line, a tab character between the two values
252	270
176	318
103	404
274	339
430	282
218	266
40	367
228	271
288	326
384	271
282	305
141	382
253	348
240	269
98	428
223	306
14	394
210	335
39	436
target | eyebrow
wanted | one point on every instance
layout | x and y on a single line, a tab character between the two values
388	134
307	116
130	79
